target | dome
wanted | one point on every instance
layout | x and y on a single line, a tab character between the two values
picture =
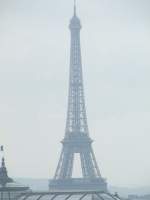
9	189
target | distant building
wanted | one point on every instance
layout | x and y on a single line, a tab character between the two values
136	197
9	190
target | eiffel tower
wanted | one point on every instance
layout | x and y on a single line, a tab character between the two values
77	139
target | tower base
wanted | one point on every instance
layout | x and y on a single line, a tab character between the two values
78	184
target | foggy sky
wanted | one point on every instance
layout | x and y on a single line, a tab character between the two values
34	70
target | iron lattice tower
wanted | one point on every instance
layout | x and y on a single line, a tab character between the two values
76	138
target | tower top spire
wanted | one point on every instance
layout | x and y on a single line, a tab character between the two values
75	21
75	8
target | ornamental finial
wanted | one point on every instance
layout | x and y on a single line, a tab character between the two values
2	157
3	162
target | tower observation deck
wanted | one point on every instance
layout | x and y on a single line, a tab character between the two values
77	139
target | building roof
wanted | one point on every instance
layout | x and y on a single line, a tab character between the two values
7	183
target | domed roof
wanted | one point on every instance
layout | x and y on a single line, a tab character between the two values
7	183
4	179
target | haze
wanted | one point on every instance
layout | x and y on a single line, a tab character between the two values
34	70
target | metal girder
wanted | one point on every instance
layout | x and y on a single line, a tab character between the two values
84	195
68	195
39	197
113	196
26	196
54	197
99	196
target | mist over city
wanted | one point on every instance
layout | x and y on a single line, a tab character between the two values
74	95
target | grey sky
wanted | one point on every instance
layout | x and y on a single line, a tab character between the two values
34	64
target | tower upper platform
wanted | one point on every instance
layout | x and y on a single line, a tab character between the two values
75	21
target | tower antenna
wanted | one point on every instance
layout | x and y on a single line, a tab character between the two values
74	7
